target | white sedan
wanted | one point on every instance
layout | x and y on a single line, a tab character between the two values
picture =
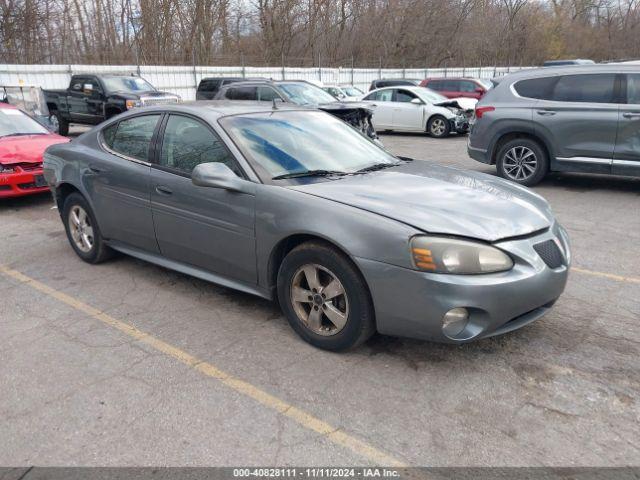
418	109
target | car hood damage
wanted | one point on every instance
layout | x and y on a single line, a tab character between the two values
356	114
461	105
441	200
26	148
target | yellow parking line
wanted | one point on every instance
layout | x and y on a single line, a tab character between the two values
610	276
308	421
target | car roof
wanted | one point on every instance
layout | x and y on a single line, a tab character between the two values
213	109
416	88
568	69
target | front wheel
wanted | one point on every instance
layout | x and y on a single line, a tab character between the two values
82	230
523	161
60	125
325	298
438	127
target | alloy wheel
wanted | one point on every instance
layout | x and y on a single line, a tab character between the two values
438	127
81	229
520	163
319	299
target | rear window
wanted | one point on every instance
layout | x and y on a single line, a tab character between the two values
598	88
208	85
242	93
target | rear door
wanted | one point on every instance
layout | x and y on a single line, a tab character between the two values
626	159
118	181
381	103
579	116
209	228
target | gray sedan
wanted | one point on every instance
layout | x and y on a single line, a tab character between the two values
295	205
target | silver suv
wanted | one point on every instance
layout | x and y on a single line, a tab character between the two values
582	118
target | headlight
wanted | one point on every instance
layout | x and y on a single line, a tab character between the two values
133	103
449	255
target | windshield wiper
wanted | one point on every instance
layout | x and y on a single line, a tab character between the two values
309	173
378	166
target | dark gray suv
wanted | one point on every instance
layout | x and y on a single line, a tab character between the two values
571	119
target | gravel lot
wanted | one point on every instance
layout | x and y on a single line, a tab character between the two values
77	391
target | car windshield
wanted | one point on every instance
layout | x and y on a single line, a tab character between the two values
429	95
352	91
306	94
15	122
292	142
127	84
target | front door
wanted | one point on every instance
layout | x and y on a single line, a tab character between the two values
118	182
381	104
626	159
209	228
581	120
407	115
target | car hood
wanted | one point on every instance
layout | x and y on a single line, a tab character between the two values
26	148
441	200
461	102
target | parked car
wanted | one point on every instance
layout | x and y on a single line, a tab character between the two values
22	143
565	119
29	99
291	203
418	109
353	92
91	99
340	93
208	87
303	93
458	87
393	82
560	63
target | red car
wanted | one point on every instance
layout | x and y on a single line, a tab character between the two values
22	143
458	87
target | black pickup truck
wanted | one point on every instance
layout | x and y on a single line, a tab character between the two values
91	99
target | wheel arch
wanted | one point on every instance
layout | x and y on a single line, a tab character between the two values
505	137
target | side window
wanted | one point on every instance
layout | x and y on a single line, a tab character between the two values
633	89
467	86
78	84
132	137
435	85
404	96
209	85
593	88
188	142
267	94
242	93
384	96
535	87
109	134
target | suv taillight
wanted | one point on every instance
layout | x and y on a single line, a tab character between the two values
482	110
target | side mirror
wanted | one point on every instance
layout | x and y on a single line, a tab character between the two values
218	175
416	101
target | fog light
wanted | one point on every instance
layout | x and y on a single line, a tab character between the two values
455	321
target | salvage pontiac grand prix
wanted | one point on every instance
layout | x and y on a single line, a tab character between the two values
294	204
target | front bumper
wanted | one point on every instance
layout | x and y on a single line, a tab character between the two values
410	303
22	182
459	124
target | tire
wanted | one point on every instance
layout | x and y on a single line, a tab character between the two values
523	161
63	125
438	127
354	304
98	251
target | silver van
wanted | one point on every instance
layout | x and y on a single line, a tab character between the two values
579	118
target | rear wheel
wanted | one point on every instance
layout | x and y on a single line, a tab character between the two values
82	230
325	298
438	127
522	160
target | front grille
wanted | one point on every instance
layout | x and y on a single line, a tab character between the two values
158	100
550	253
27	186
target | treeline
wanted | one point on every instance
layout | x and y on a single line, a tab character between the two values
363	33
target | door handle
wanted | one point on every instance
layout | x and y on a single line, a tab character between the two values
96	169
162	190
631	115
545	112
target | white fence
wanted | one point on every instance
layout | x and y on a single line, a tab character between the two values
183	80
